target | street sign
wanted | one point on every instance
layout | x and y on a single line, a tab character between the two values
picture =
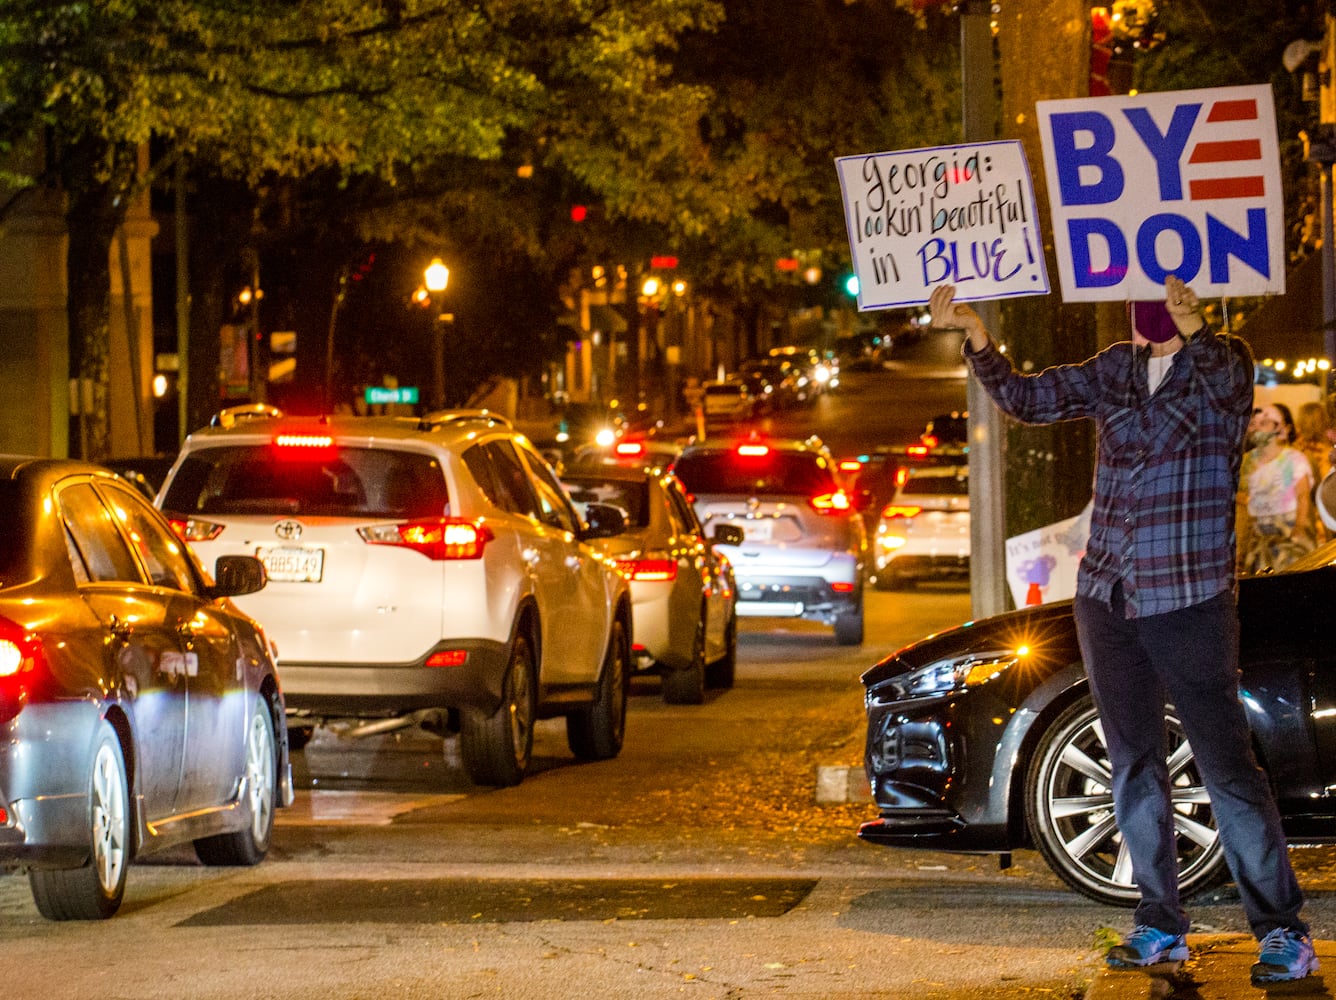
401	394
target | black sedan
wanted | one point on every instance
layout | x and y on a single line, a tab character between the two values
138	708
984	738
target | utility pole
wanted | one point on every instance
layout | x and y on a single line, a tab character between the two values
987	435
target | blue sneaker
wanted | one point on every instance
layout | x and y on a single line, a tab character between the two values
1146	947
1286	955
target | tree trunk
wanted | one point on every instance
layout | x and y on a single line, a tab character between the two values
1049	469
92	219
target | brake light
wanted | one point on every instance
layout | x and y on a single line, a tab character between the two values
901	510
920	450
753	450
901	475
832	503
439	538
850	465
190	529
21	654
448	658
304	446
657	570
842	588
630	449
930	441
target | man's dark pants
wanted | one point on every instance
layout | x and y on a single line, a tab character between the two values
1189	656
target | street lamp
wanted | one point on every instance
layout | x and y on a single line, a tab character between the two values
436	276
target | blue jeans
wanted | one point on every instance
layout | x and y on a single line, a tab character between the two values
1190	658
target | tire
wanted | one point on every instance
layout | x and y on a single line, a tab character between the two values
849	625
1069	808
686	686
596	731
498	748
720	674
250	845
94	891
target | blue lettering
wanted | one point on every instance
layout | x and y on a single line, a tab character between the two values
1224	242
1069	160
1079	232
1168	148
1149	233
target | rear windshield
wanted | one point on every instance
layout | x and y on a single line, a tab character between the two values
16	542
630	497
724	390
915	486
783	472
337	482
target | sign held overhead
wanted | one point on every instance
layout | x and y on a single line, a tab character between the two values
961	215
1183	182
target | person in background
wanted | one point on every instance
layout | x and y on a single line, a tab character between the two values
1315	440
1155	609
1275	517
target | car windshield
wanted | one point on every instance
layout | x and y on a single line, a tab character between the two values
13	543
936	486
628	496
783	472
333	482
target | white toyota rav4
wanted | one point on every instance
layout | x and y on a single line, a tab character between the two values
428	571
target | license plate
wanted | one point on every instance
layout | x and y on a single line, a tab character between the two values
292	564
759	531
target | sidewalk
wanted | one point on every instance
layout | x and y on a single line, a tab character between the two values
1217	970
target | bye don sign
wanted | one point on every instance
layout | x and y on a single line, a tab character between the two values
1183	182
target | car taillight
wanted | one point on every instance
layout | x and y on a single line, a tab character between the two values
919	450
832	503
752	450
630	449
901	510
657	569
448	658
21	654
439	538
930	440
850	465
190	529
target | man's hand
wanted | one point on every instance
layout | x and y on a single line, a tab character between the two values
1184	309
949	315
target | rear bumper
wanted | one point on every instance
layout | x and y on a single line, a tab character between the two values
368	689
942	564
792	597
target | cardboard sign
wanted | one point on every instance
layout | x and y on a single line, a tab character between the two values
1185	183
960	215
1042	564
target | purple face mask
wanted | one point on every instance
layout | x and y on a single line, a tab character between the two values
1152	321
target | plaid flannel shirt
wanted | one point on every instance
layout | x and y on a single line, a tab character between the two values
1167	471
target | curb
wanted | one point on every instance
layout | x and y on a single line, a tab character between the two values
837	784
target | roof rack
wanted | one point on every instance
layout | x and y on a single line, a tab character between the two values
249	411
439	418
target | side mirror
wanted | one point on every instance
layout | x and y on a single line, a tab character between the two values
235	576
602	521
728	534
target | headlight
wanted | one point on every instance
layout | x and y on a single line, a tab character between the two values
948	676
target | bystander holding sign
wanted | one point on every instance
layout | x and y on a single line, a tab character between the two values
1184	182
961	215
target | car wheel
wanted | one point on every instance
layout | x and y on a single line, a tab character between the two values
595	732
686	686
1069	806
260	781
721	672
496	748
849	625
94	891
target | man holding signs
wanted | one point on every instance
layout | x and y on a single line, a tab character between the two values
1154	606
1144	190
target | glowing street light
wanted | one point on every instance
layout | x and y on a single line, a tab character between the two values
436	276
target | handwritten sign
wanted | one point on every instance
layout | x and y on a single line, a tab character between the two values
1184	182
961	215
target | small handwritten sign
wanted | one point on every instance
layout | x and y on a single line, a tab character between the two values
960	215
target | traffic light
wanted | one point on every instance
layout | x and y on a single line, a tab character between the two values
851	285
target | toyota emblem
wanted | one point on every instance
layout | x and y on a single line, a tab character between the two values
288	530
